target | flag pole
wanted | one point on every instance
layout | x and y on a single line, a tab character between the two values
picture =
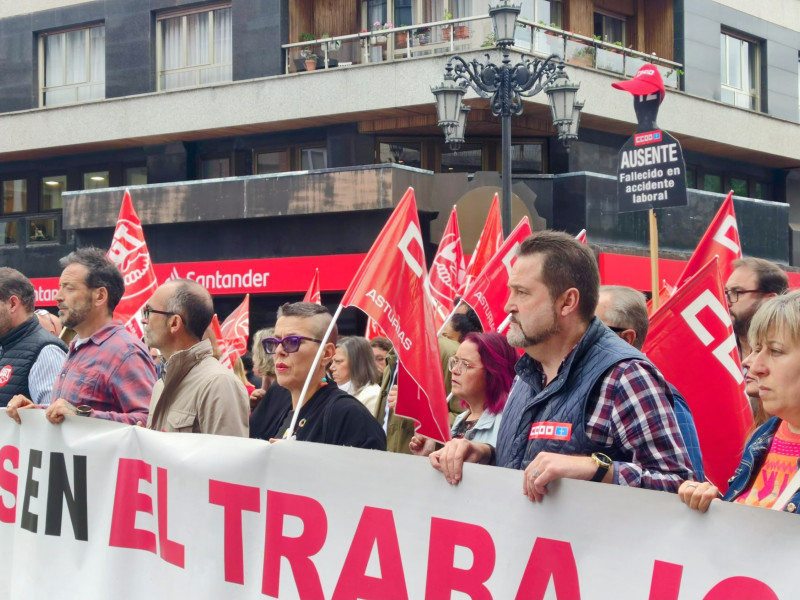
656	297
506	322
304	391
450	316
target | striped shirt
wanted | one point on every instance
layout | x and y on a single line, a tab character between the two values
44	372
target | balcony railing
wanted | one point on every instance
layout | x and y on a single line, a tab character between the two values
463	35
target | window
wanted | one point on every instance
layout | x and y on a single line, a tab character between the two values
313	158
8	233
549	12
401	153
272	162
739	65
74	66
609	28
42	230
95	180
467	159
194	48
52	188
136	176
526	159
213	168
15	196
739	187
712	183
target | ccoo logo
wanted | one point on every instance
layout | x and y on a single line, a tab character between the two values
5	375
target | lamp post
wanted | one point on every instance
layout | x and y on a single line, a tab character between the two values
506	85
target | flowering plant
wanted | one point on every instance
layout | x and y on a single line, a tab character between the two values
377	26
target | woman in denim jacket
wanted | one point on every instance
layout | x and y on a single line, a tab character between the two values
482	373
770	458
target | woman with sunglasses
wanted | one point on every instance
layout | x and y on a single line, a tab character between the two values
482	373
328	415
768	473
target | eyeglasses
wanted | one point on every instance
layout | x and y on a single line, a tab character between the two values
147	311
733	295
456	364
290	344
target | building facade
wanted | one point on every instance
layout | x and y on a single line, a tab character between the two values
261	129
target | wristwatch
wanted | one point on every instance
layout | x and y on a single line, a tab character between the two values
84	410
603	463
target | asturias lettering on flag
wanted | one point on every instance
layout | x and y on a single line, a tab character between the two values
691	341
129	252
390	287
721	239
489	292
313	295
447	271
488	244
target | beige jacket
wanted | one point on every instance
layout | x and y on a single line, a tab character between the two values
199	395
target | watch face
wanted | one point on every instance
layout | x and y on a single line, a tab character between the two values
602	460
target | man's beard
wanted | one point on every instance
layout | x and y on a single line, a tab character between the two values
75	316
519	339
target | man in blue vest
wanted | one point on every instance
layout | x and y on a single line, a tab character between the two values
585	404
30	357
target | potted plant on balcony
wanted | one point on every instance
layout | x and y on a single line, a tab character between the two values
423	35
377	26
306	50
311	62
401	38
460	31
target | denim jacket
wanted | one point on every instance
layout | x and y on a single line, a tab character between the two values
485	430
753	457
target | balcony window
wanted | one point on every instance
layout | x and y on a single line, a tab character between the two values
8	233
313	158
95	180
739	65
467	159
194	48
214	168
272	162
401	153
526	159
74	66
609	28
15	196
136	176
42	230
52	188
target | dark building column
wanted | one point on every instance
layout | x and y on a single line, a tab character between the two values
348	148
167	163
259	28
130	48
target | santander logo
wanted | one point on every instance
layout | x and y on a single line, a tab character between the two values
5	375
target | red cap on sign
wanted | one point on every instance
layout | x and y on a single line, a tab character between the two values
646	81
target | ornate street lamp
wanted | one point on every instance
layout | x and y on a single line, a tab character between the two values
506	85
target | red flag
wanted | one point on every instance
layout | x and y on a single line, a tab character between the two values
664	294
721	239
313	295
489	293
235	332
373	330
488	244
390	287
222	347
129	252
447	271
691	341
581	237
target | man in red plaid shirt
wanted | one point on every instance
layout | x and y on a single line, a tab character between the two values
585	404
108	373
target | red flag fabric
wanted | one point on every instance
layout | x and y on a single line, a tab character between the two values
664	294
313	295
235	332
488	244
129	252
447	271
691	341
489	293
373	330
581	237
390	287
721	239
222	347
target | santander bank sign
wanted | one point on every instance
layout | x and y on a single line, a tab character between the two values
252	276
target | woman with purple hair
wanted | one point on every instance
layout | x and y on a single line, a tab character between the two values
482	373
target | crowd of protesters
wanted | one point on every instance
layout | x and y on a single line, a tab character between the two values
565	393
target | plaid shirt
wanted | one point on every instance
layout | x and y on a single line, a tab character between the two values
632	414
112	372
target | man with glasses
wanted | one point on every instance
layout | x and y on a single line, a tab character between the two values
752	282
585	404
328	415
195	393
108	373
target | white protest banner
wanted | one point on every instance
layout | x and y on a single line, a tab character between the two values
93	509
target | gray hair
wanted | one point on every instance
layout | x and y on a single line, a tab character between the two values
319	315
779	312
192	302
629	310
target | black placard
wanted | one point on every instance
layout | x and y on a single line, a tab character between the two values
651	172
